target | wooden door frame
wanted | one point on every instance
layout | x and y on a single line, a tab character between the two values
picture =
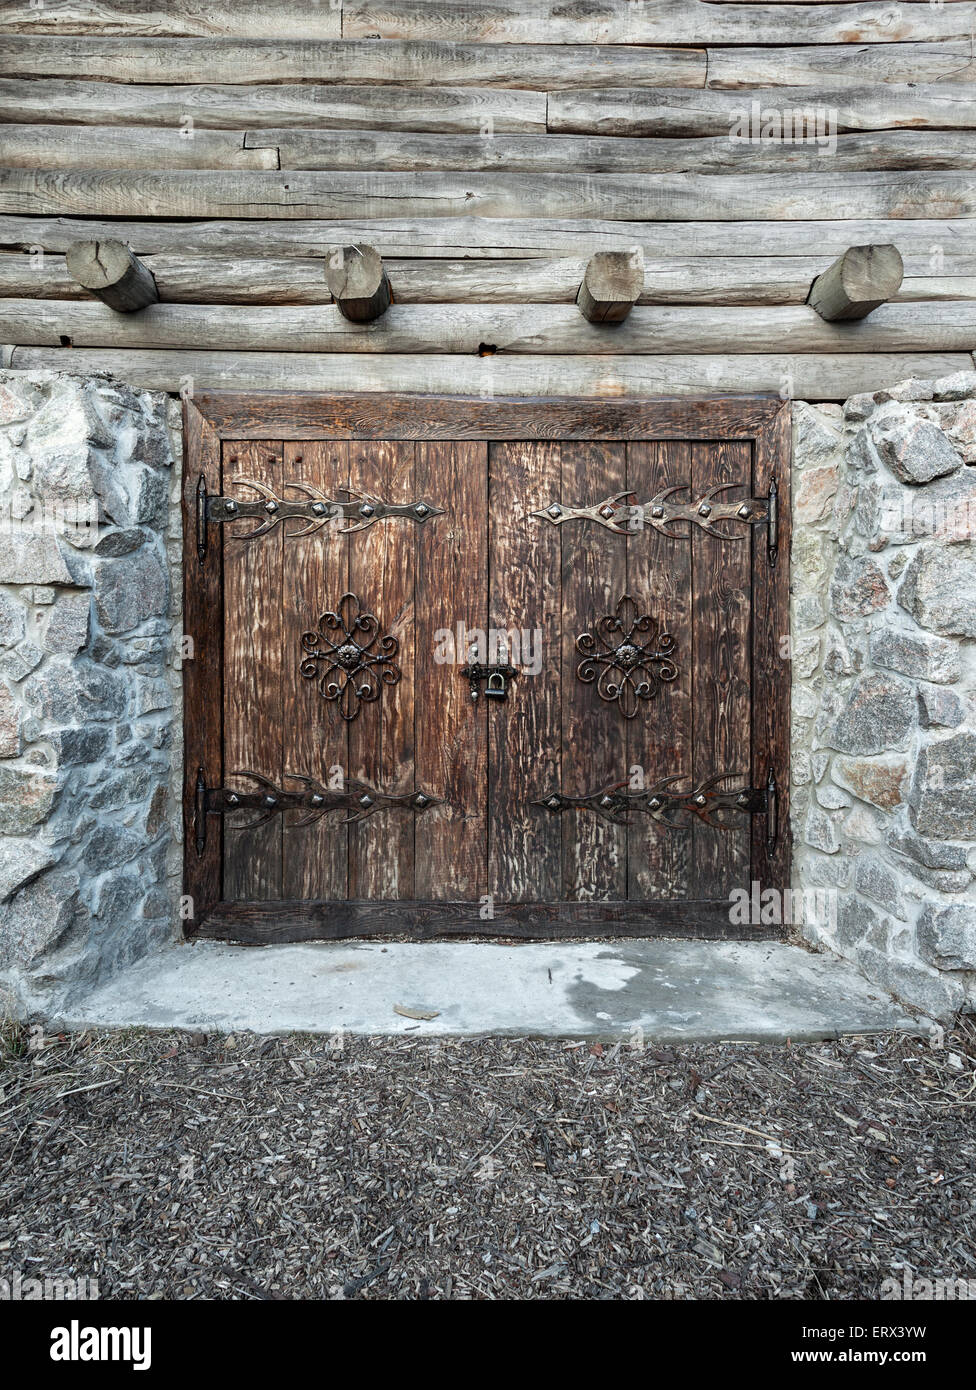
210	418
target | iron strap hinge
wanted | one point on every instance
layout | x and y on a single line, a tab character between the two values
312	800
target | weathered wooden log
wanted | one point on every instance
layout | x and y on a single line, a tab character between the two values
112	273
832	65
528	330
857	282
823	377
687	280
927	242
130	147
200	193
359	284
270	19
543	67
457	109
611	285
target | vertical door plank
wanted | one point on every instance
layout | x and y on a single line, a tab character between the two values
252	657
524	860
203	671
382	569
770	661
594	743
660	738
451	588
722	578
316	737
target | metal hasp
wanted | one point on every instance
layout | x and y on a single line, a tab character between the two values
312	800
626	516
343	656
496	679
708	803
626	669
315	510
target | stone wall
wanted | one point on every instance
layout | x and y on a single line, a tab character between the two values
89	687
884	671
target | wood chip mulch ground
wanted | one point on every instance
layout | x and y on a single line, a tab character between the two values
193	1167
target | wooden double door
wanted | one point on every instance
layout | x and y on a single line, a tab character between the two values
466	667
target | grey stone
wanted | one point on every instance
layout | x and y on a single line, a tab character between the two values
41	916
120	541
946	935
955	387
913	448
942	880
943	792
862	825
939	589
817	434
10	723
858	588
808	612
12	619
20	861
935	854
913	388
855	922
129	589
19	661
881	781
879	714
109	846
75	747
831	798
820	832
939	708
919	654
877	881
67	627
26	798
32	557
858	408
933	993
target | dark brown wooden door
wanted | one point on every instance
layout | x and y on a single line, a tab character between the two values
631	777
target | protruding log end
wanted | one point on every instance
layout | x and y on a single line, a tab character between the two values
360	286
611	286
857	282
113	274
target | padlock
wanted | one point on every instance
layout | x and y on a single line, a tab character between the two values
495	689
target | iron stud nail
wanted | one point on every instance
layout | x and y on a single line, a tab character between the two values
421	509
365	800
230	507
318	508
606	800
232	798
704	510
700	799
743	799
744	512
606	511
270	801
271	507
317	799
366	510
654	803
657	512
554	802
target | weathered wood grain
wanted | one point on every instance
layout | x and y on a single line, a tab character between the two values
746	280
252	637
611	285
461	109
482	238
464	329
109	270
802	376
643	111
383	572
650	197
203	671
451	587
665	21
593	568
543	67
359	284
265	19
659	743
857	283
840	64
128	147
315	737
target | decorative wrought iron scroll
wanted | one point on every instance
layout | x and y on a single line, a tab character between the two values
626	668
315	510
709	802
348	658
628	517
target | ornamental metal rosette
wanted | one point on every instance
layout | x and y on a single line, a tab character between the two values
626	668
348	657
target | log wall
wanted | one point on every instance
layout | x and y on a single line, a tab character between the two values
487	149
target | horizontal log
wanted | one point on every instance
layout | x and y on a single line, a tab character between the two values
179	18
458	109
663	21
838	65
650	111
805	377
464	329
129	147
650	197
369	149
544	67
501	238
715	280
109	270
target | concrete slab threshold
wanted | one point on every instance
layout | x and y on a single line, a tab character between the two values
671	990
